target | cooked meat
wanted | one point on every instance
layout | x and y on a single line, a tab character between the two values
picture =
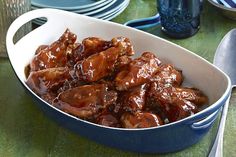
138	72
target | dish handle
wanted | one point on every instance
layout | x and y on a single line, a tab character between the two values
205	123
49	14
206	119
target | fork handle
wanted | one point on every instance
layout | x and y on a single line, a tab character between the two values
217	148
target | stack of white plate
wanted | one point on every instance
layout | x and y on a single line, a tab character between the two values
102	9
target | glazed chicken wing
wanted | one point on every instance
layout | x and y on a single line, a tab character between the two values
124	45
191	94
90	46
138	71
140	120
134	99
93	45
47	80
97	66
179	109
85	101
107	118
168	75
40	48
176	103
54	55
122	63
101	64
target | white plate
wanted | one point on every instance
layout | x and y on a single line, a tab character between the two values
109	13
117	12
111	9
85	10
99	10
66	4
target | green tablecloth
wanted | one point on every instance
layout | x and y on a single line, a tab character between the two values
26	131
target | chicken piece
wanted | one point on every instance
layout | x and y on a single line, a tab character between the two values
97	66
168	75
138	72
92	45
158	95
101	64
54	55
122	63
140	120
72	54
47	80
108	82
167	94
40	48
191	94
134	99
85	101
68	84
124	45
176	103
179	109
49	97
107	118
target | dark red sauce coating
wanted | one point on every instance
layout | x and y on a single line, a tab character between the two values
98	81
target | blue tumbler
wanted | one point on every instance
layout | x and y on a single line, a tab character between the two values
179	18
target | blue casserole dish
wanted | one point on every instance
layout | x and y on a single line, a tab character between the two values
167	138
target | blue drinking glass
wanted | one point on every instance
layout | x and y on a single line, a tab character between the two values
180	18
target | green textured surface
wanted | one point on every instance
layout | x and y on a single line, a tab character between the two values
26	131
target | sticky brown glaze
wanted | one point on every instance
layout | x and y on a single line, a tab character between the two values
47	80
97	66
54	55
122	63
179	109
191	94
124	45
102	64
134	99
40	48
175	103
108	118
86	100
90	46
168	75
140	120
138	72
99	81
